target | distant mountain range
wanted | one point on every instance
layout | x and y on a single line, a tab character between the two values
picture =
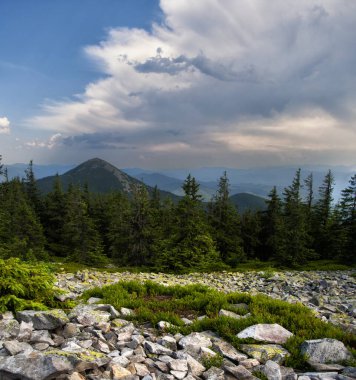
251	185
100	177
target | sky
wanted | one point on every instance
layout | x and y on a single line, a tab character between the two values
178	84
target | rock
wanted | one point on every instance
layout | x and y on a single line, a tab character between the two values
14	347
41	336
264	352
206	353
75	376
93	300
169	342
44	320
350	372
228	351
163	325
249	363
25	332
179	374
195	339
119	373
320	367
272	370
325	350
35	365
321	375
178	365
214	373
195	367
9	328
125	312
239	372
271	333
90	315
154	348
227	313
70	330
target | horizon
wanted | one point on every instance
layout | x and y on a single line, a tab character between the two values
162	85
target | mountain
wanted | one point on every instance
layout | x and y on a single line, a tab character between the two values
245	201
100	177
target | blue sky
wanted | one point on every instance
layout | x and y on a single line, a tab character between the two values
169	84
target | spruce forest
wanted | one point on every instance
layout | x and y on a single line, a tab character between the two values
145	230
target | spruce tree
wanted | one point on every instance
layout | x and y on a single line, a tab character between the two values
295	245
225	225
191	245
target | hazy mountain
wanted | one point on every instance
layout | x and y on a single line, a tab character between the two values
245	201
100	177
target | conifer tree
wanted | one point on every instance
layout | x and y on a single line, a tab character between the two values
225	225
191	245
251	226
272	229
82	240
295	245
33	194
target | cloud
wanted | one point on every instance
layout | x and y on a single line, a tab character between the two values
266	79
4	125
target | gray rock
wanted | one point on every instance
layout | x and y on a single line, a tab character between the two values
227	313
14	347
271	333
321	375
35	366
228	351
41	336
195	339
349	371
43	320
321	367
169	342
9	328
325	350
214	373
25	332
154	348
272	370
239	372
178	365
90	315
179	374
264	352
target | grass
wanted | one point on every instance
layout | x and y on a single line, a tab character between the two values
153	302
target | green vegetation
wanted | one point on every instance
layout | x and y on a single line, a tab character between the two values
213	361
25	286
153	302
141	227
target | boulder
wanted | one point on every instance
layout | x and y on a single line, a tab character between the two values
325	350
44	320
195	339
272	370
228	351
9	328
264	352
270	333
240	372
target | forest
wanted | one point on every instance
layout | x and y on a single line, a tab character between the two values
143	230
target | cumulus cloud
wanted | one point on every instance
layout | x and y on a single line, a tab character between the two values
253	77
4	125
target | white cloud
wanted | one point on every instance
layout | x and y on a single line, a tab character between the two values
246	75
4	125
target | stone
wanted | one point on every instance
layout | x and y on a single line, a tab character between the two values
41	336
169	342
93	300
35	365
119	373
195	367
121	360
272	370
264	352
350	372
321	367
25	332
249	363
271	333
195	339
75	376
230	314
9	328
14	347
321	375
325	350
125	312
178	365
70	330
240	372
214	373
228	351
163	325
90	315
141	369
44	320
154	348
179	374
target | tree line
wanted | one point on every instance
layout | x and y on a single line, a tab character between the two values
142	229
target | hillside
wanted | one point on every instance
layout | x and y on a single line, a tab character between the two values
245	201
100	177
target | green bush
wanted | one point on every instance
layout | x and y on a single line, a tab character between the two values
153	302
25	286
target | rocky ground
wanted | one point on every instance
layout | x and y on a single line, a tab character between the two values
94	341
331	294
